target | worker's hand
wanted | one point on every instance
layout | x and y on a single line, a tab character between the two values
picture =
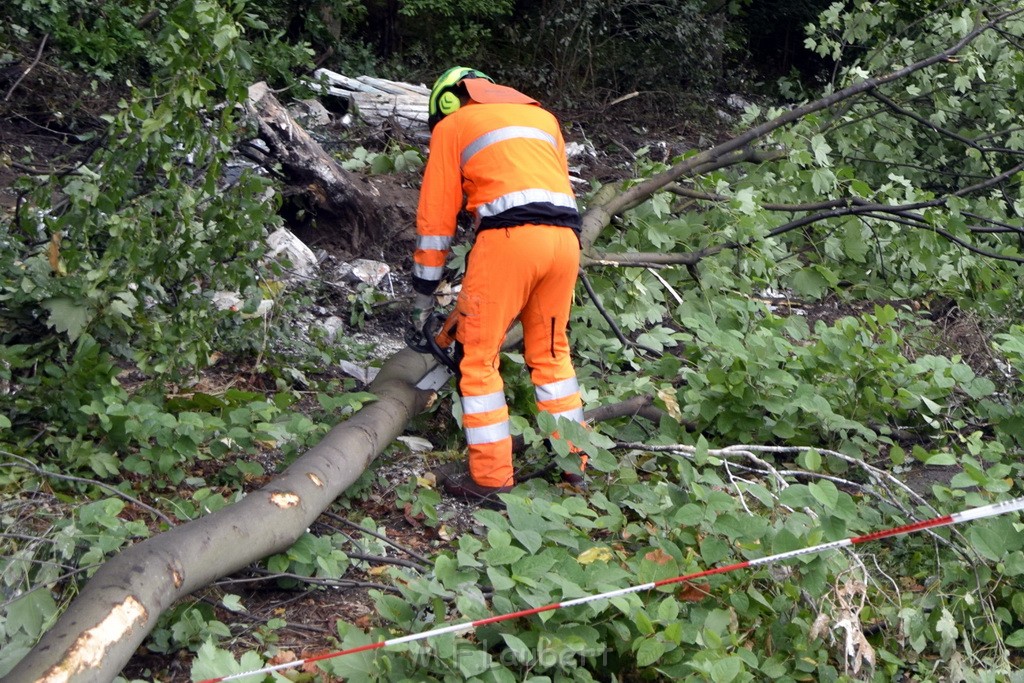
422	307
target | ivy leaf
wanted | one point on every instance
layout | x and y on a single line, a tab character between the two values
744	201
233	603
946	627
821	150
213	662
823	181
854	244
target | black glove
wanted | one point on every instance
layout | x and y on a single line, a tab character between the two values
422	308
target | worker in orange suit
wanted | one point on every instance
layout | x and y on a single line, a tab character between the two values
495	152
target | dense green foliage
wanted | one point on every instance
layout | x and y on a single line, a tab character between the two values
569	52
826	344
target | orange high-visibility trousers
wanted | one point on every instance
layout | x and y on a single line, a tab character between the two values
526	272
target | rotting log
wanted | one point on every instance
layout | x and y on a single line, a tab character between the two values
104	625
332	194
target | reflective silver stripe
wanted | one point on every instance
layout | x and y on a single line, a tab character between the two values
434	242
427	272
576	415
483	404
502	134
521	198
559	389
489	434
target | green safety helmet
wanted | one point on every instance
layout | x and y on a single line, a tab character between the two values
444	98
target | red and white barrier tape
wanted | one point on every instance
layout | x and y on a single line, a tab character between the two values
971	514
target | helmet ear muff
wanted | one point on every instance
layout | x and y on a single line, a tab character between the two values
448	102
445	96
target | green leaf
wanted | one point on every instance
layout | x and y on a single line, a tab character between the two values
812	460
994	539
520	650
67	316
472	662
809	282
825	492
502	555
668	610
726	670
233	603
643	623
941	460
649	652
30	612
499	579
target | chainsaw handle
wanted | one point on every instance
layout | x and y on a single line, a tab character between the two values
442	355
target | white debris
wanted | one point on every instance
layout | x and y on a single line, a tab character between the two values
575	149
284	244
416	444
737	102
363	270
363	373
232	301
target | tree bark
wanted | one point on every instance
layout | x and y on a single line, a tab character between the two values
342	202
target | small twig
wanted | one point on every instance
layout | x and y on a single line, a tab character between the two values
39	54
329	583
28	465
388	560
378	536
62	577
619	100
666	285
260	621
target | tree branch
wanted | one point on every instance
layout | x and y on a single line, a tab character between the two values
39	55
599	216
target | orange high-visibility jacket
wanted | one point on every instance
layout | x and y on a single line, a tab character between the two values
506	162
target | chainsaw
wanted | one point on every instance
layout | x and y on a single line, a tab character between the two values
425	341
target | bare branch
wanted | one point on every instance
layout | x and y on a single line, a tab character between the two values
39	55
597	217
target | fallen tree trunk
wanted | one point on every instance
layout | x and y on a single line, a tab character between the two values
376	100
105	624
